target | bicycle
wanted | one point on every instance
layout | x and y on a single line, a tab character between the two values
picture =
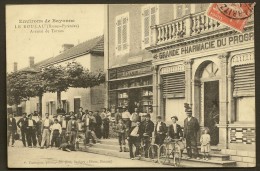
152	150
170	150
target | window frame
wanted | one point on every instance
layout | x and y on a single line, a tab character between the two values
117	18
145	7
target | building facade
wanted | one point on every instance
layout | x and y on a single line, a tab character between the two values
90	54
164	55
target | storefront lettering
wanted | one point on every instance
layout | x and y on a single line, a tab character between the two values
241	59
212	44
172	69
134	72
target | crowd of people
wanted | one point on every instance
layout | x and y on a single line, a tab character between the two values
65	131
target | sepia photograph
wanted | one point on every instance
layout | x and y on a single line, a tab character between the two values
130	85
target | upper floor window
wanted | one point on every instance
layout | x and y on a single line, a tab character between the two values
182	10
150	17
122	34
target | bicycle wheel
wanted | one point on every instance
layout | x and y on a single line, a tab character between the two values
141	151
153	151
177	155
163	155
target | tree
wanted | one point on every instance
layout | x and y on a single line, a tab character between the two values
56	80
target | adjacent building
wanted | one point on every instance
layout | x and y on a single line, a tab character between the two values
161	56
90	54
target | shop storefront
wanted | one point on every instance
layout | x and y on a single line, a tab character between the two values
213	73
131	86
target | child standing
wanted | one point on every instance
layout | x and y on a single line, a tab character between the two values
121	130
205	143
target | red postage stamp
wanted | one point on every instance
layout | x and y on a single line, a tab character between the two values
234	15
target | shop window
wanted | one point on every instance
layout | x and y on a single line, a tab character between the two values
244	92
244	80
173	85
150	17
122	34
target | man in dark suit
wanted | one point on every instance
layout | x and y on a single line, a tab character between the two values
191	127
11	129
134	138
148	127
39	129
31	131
160	131
98	124
22	125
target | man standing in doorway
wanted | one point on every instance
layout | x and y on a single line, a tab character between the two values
191	127
46	131
12	128
22	125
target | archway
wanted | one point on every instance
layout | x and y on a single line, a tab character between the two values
206	96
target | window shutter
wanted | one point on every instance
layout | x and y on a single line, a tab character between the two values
179	11
124	32
146	25
119	34
174	85
244	79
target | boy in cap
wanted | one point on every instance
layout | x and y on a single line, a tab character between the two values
160	131
120	129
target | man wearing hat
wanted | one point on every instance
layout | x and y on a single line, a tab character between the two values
22	125
148	127
160	131
134	137
31	132
11	129
72	130
126	119
46	124
191	127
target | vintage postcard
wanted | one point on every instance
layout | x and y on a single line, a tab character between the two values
130	85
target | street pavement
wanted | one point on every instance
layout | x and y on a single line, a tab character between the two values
24	157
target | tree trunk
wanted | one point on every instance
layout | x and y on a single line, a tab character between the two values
58	99
40	105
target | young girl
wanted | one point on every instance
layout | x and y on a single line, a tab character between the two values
205	143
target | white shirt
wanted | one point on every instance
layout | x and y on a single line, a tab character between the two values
174	127
56	126
87	121
189	118
134	131
64	124
126	115
46	122
80	126
30	122
158	126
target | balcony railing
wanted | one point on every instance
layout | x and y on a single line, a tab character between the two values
189	25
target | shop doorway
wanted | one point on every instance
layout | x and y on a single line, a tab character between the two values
206	98
135	97
211	109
